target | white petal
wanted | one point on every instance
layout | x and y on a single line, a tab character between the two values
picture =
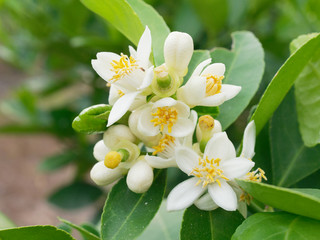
206	203
144	48
182	109
193	92
116	133
237	167
223	196
184	194
178	50
100	150
164	102
214	100
187	141
249	140
102	64
182	128
133	52
121	107
148	77
140	177
114	94
159	162
230	91
200	67
215	69
102	175
145	126
186	159
219	146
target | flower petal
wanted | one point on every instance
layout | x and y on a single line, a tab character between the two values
237	167
114	94
184	194
200	67
148	77
121	107
230	91
182	109
215	69
100	150
133	52
145	126
223	196
140	177
193	92
249	140
159	162
182	128
206	203
144	48
164	102
102	64
186	159
102	175
213	101
219	146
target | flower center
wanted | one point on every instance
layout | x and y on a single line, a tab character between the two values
213	84
123	67
165	141
208	171
165	116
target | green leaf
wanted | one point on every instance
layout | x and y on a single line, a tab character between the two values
291	159
244	67
164	226
5	222
35	233
58	161
92	119
218	224
276	226
159	29
202	110
283	80
307	92
198	56
86	234
126	214
305	202
76	195
130	18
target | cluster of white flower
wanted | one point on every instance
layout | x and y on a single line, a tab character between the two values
162	124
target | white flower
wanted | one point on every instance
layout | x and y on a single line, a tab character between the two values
205	88
128	77
211	172
166	116
140	176
165	149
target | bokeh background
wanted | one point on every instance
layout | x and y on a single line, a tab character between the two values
46	79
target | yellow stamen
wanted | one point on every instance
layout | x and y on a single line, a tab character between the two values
120	93
165	141
256	175
208	172
165	116
123	67
112	159
213	84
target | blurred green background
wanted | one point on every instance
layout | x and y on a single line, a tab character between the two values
46	79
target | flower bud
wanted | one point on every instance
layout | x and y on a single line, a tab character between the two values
100	150
206	127
102	175
178	50
116	133
140	176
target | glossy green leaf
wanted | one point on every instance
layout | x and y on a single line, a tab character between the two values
5	222
276	226
307	92
120	14
283	80
92	119
198	56
159	29
164	226
291	159
305	202
244	67
76	195
126	214
58	161
214	225
35	233
85	233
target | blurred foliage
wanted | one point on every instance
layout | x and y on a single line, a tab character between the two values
54	41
